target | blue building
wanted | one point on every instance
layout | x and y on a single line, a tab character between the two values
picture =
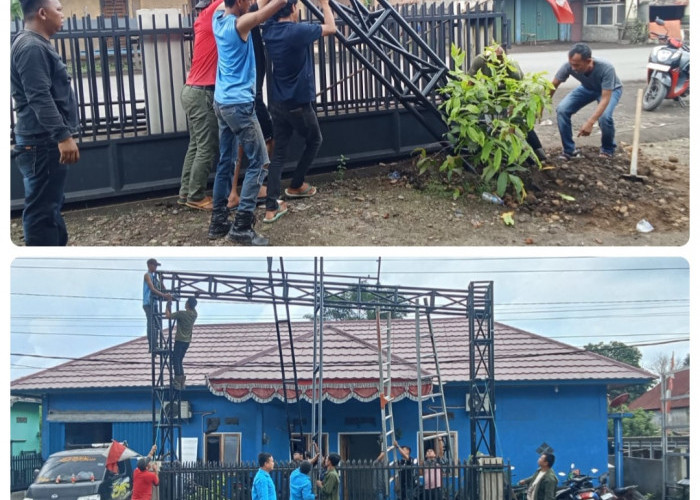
546	392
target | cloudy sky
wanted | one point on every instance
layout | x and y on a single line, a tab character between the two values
67	308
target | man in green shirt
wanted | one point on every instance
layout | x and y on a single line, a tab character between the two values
542	485
496	56
331	481
185	321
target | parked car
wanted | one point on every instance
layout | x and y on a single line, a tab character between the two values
81	475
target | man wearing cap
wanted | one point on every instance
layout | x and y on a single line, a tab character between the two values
289	44
197	99
185	321
145	477
151	293
234	105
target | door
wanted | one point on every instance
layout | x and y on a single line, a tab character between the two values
538	19
357	484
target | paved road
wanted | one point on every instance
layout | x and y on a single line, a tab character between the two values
630	62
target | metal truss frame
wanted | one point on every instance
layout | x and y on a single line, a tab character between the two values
411	77
320	291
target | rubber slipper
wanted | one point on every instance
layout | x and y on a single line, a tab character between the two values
203	204
306	193
278	215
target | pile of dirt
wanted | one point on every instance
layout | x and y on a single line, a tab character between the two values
587	201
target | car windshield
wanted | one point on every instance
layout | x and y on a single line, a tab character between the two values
72	468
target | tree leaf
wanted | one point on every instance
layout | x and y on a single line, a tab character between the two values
507	218
566	197
502	184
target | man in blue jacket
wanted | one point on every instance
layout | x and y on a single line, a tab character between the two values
263	486
300	483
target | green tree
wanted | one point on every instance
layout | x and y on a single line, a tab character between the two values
488	119
641	424
15	9
630	355
341	313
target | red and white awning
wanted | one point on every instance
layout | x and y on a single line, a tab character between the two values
335	390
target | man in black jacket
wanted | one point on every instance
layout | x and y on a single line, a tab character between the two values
47	120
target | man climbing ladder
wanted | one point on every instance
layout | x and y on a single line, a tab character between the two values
185	321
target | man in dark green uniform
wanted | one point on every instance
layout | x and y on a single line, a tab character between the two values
185	321
542	485
331	481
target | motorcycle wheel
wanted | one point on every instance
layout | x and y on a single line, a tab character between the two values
654	95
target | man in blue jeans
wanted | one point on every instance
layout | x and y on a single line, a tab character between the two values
234	105
47	119
289	45
600	83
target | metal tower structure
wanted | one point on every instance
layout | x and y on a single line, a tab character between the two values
482	398
320	290
390	49
165	399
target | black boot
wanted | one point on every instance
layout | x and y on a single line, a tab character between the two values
242	231
541	155
219	225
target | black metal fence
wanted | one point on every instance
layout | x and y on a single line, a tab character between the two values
127	73
22	470
359	480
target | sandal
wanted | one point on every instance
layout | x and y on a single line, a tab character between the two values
279	213
607	156
205	203
305	193
182	200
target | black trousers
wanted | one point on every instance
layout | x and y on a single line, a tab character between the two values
179	350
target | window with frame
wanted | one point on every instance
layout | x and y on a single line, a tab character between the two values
304	443
602	13
223	447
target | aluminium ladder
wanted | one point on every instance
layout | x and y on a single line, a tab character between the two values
290	387
440	418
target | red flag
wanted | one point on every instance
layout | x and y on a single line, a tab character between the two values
562	11
114	453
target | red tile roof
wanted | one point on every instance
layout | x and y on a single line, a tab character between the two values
237	351
651	400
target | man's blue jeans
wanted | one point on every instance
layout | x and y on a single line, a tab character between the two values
239	124
572	103
44	182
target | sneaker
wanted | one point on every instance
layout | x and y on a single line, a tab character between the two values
576	153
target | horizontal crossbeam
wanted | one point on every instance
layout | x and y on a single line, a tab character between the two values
296	290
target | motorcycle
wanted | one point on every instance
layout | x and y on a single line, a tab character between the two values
668	71
577	486
624	493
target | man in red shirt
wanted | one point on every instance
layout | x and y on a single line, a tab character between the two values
145	477
197	99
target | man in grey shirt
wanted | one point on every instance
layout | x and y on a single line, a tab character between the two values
47	119
600	83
